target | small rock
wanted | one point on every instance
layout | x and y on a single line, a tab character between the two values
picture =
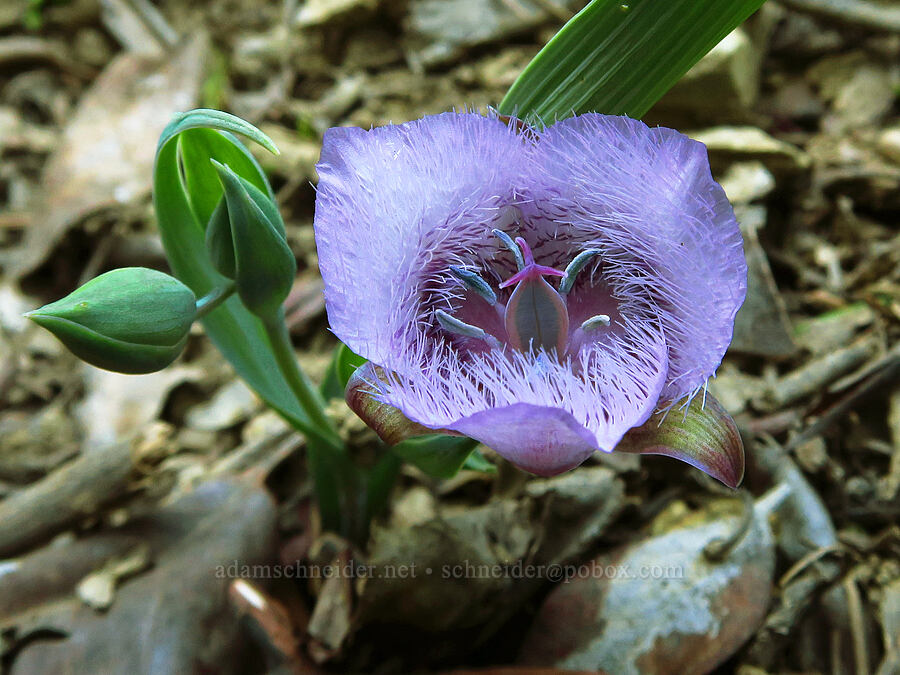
832	330
230	405
745	182
888	144
325	12
812	455
761	326
795	100
730	144
660	605
97	590
734	389
414	507
268	424
721	87
860	91
442	30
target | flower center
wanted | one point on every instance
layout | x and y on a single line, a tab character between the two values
536	315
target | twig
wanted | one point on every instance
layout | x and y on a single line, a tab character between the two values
857	625
885	370
717	549
806	561
68	494
816	374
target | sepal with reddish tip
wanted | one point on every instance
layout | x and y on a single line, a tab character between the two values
703	435
391	425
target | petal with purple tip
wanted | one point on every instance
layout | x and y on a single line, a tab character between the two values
703	435
544	441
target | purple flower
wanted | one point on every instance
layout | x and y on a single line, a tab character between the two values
541	292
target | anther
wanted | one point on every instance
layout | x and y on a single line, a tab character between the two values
474	283
511	245
453	325
577	264
595	322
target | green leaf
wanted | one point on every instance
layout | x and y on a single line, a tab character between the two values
620	56
437	455
477	462
235	332
343	364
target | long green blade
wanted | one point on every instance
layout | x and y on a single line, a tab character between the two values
619	57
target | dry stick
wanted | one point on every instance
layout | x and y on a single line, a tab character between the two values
857	628
816	374
884	371
860	12
70	493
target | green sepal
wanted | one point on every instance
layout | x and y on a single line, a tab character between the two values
131	320
702	434
219	242
440	455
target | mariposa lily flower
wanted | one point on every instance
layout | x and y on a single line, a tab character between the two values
543	292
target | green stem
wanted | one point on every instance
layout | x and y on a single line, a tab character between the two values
306	394
214	298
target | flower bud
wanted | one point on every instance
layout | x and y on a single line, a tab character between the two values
258	258
131	320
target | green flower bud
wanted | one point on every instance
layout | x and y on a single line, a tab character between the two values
131	320
258	259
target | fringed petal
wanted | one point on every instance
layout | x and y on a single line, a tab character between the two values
668	235
395	206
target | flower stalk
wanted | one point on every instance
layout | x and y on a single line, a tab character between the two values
308	397
214	298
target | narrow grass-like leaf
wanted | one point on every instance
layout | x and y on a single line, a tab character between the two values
620	56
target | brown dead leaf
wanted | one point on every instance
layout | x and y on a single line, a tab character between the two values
107	150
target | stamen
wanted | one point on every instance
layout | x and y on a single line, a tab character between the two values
595	322
510	244
453	325
474	283
577	264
